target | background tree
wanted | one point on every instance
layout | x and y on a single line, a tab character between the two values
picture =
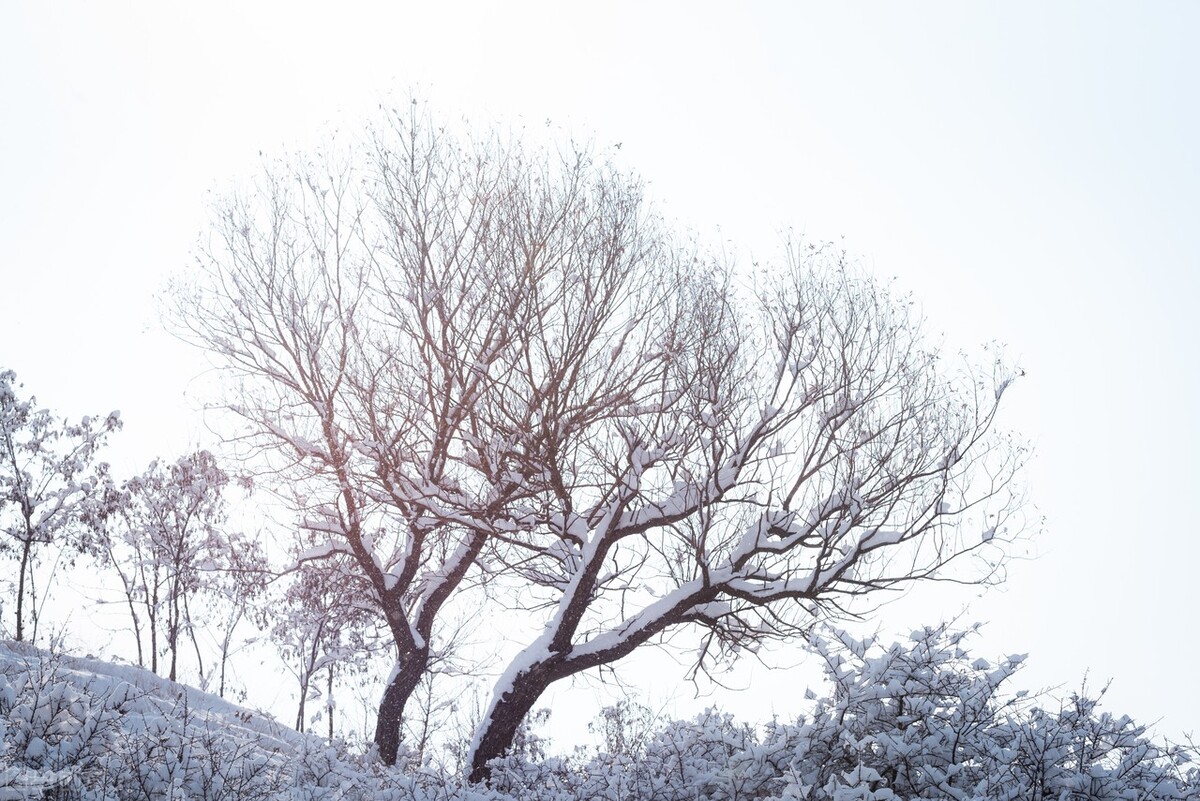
322	626
232	591
165	534
48	475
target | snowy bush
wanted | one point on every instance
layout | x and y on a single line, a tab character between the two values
922	719
53	733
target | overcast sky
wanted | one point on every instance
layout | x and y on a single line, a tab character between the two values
1028	170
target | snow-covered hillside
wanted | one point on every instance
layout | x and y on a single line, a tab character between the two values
107	680
915	719
80	728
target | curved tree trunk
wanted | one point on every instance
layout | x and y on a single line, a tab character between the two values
409	669
497	732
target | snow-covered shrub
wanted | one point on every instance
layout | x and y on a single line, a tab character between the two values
709	757
904	719
923	720
53	734
1078	752
172	752
72	736
702	756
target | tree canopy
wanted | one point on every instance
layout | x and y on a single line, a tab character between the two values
471	362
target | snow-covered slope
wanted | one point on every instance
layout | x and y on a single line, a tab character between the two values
79	728
104	679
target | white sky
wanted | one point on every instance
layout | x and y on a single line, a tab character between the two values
1029	170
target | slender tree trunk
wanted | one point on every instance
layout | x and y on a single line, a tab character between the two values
26	547
234	618
173	633
153	615
137	634
137	622
300	707
329	700
33	604
35	611
307	668
191	629
426	713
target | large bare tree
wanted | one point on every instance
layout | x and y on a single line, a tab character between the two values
738	459
470	360
367	307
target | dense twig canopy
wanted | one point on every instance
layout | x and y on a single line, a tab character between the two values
461	353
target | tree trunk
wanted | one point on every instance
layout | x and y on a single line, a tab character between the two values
234	619
409	669
191	629
173	629
172	642
500	729
307	668
300	707
152	614
26	547
137	626
329	701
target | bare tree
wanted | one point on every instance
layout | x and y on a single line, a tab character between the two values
365	310
234	585
755	461
48	476
322	626
470	362
164	533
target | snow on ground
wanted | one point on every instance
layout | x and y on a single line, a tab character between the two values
102	679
